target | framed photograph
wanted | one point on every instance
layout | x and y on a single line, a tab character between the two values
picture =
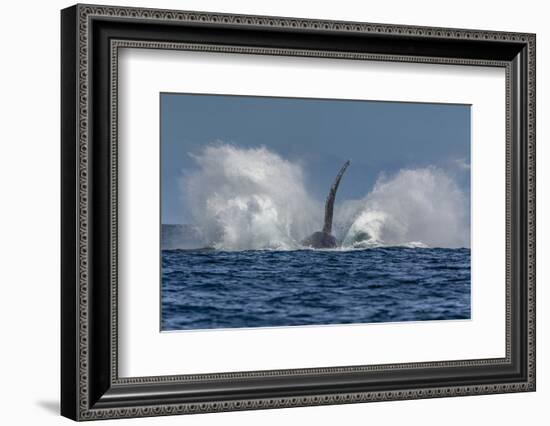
263	212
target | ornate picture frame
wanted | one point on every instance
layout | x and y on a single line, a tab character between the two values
91	37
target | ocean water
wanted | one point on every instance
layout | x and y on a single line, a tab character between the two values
208	289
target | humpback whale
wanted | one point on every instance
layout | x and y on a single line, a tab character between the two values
324	238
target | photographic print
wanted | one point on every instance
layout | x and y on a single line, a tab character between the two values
279	211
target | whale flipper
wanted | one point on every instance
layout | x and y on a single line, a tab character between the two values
329	204
324	238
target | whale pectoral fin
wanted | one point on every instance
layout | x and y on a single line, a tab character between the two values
324	238
329	205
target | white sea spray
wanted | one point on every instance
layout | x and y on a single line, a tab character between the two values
249	199
415	208
252	198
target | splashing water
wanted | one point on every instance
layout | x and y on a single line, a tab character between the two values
414	208
249	199
242	199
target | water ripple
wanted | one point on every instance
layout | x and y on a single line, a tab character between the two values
203	289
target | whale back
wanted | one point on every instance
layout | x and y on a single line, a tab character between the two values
329	204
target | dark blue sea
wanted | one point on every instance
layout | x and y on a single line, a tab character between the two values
205	289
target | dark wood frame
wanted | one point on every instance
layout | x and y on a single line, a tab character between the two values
90	386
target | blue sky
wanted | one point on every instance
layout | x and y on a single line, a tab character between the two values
378	137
